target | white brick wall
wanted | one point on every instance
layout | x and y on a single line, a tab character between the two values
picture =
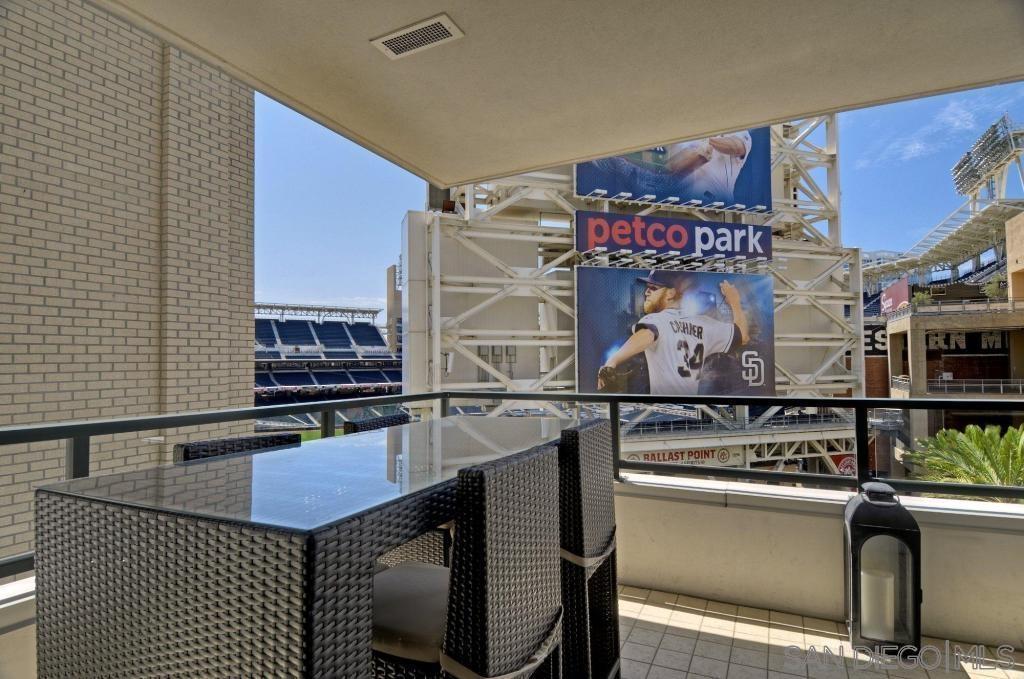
126	239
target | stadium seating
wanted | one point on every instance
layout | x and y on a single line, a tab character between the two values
265	332
309	345
368	377
332	334
366	335
872	304
332	377
295	333
337	338
340	354
298	378
986	273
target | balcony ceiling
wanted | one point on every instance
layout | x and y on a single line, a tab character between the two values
536	83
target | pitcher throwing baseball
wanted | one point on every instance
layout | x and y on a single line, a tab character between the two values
676	346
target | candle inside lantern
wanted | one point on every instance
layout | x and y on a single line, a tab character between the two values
878	604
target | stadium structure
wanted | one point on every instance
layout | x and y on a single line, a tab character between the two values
310	353
967	246
487	302
946	318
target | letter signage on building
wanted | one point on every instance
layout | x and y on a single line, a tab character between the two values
876	340
722	456
996	342
669	234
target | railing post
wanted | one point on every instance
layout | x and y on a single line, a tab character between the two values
860	427
613	416
76	457
327	428
446	404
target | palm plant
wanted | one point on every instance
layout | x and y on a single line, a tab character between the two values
975	455
996	287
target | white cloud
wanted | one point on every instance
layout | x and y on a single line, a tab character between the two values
913	148
956	116
955	124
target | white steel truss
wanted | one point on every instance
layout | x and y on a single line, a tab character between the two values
512	239
319	312
976	225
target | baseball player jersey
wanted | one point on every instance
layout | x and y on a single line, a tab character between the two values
716	179
675	358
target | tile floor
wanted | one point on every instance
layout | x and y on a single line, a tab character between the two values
670	636
674	636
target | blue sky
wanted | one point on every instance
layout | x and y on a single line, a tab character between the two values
894	162
329	213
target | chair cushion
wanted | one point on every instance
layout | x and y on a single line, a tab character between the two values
409	606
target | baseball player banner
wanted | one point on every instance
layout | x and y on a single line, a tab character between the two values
675	333
671	234
730	170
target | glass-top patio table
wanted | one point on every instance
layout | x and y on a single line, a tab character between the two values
254	564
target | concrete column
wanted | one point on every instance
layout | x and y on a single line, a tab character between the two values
1016	354
896	343
916	356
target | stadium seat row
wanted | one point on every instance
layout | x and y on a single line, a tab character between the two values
307	378
272	334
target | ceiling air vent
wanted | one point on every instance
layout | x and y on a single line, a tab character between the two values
418	37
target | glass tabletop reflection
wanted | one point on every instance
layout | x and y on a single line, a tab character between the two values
319	482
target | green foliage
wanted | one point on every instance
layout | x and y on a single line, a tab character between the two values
921	297
992	290
975	455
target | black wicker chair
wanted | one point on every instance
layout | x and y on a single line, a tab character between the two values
198	450
497	611
372	423
433	547
589	580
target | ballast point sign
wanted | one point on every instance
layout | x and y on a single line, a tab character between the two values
665	234
718	457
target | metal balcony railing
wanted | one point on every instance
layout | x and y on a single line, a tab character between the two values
78	435
738	426
1007	387
939	306
1013	387
900	382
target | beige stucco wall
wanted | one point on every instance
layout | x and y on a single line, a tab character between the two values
126	239
782	548
1015	256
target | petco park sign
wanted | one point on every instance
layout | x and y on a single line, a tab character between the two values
667	234
722	456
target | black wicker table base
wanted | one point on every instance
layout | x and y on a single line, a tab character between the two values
258	564
128	592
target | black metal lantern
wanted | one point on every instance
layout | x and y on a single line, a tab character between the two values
883	572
